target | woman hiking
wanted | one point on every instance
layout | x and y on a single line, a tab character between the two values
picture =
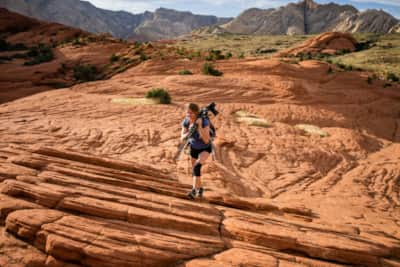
200	145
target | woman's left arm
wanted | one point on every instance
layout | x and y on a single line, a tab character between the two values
203	132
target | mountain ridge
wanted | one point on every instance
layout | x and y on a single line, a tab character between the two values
304	17
309	17
120	24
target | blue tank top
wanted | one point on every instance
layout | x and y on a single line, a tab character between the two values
195	141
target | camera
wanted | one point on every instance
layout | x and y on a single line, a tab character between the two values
204	111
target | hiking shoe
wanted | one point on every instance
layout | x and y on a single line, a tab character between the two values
192	194
200	192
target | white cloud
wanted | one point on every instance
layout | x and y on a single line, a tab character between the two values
385	2
150	5
216	7
126	5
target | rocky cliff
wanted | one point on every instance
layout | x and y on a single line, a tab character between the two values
308	17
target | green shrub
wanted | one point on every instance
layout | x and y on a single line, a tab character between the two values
39	54
392	77
180	51
114	58
85	73
305	56
185	72
364	45
216	54
228	55
160	93
266	50
342	51
344	66
209	69
20	55
369	80
7	58
241	55
348	68
387	85
5	46
330	70
143	56
78	42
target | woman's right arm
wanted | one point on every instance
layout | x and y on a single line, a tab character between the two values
184	133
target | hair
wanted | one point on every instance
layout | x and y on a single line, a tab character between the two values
193	107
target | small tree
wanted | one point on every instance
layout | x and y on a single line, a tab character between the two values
209	69
85	73
161	94
392	77
39	54
185	72
114	58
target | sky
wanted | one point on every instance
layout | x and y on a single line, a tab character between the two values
232	8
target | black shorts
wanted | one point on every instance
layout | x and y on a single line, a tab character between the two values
194	153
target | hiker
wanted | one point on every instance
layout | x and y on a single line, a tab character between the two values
200	145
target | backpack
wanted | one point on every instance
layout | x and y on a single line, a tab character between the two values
213	131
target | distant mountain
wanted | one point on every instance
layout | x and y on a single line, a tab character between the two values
161	24
308	17
167	23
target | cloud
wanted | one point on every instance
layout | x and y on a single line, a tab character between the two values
384	2
216	6
229	7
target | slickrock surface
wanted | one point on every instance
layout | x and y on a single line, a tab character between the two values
89	181
327	43
86	181
93	211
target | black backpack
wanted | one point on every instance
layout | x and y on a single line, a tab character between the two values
213	131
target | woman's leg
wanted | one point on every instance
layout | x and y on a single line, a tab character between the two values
194	177
203	156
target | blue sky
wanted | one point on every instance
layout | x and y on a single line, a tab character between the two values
232	8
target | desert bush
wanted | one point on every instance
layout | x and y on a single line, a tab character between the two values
20	55
348	68
143	56
392	77
305	56
78	42
6	46
387	85
369	80
216	54
85	73
330	70
344	66
241	55
185	72
39	54
5	58
160	93
342	51
360	46
180	51
266	50
209	69
114	58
